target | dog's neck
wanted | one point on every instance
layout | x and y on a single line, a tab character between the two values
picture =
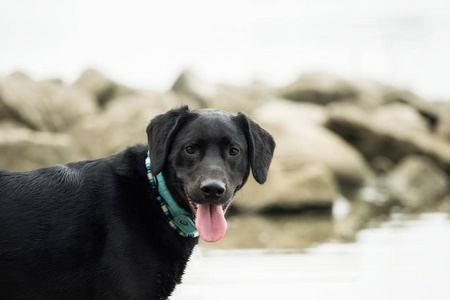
179	219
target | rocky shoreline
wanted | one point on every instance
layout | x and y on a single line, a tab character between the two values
357	148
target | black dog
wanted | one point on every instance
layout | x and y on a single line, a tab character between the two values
106	228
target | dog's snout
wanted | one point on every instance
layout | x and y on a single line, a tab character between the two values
213	189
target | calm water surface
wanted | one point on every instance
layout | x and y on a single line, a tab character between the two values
402	258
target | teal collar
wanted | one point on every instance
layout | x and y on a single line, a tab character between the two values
179	219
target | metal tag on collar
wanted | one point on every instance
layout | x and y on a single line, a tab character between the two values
185	224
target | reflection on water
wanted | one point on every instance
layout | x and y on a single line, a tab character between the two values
402	258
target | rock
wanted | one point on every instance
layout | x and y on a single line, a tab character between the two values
371	94
417	182
289	189
23	149
426	109
302	142
399	117
230	98
54	81
236	99
191	85
43	106
278	110
382	133
443	126
101	87
319	88
8	124
123	123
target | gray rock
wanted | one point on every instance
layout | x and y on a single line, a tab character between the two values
390	132
282	110
191	85
226	97
100	86
426	109
122	123
371	94
400	117
23	149
417	182
303	142
43	106
290	189
236	99
320	88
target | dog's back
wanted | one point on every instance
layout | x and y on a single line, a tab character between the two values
87	230
47	223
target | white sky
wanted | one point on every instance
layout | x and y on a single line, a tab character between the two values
146	44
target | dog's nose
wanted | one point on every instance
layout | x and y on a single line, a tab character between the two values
213	189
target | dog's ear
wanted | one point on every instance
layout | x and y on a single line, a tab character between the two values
261	146
160	132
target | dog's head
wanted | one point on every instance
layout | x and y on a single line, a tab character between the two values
206	156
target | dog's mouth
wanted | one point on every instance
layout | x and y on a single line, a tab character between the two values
209	219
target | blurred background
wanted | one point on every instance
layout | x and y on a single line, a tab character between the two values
356	94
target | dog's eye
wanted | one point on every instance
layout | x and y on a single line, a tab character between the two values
234	151
190	149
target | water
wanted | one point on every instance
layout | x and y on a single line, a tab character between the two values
402	258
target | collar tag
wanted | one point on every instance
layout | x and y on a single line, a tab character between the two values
185	224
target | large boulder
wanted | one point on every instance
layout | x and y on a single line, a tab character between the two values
100	86
290	189
230	98
122	123
371	94
285	111
236	99
319	88
399	117
426	109
417	182
23	149
303	141
191	85
388	133
45	105
309	162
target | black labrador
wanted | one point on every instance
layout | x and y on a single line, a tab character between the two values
102	229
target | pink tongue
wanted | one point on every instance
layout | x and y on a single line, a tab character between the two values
210	222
